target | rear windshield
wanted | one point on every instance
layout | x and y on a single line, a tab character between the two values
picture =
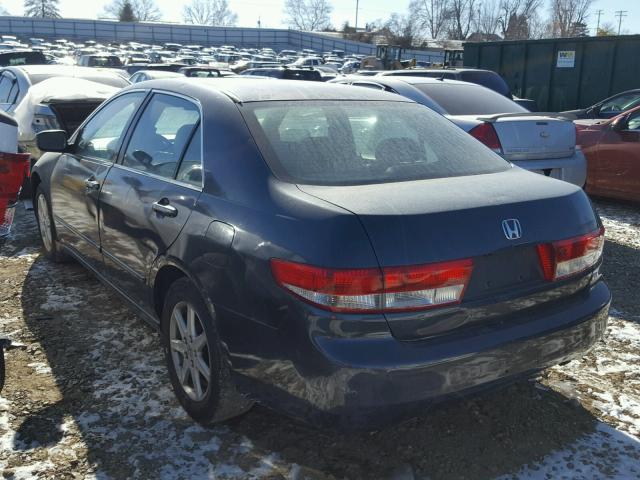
104	62
460	99
301	75
352	143
22	58
487	79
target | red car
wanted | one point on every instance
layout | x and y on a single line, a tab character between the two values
612	149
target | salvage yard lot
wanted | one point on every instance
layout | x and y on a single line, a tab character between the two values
89	397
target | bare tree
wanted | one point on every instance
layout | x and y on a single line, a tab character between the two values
146	11
568	17
400	30
462	15
487	18
41	8
431	16
210	12
515	16
143	10
308	14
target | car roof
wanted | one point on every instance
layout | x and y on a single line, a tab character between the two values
64	70
411	80
247	89
160	73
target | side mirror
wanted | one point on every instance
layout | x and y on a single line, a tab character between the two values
620	123
52	141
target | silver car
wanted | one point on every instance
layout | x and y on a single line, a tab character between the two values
541	143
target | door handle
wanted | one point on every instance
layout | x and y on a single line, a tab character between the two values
164	208
92	184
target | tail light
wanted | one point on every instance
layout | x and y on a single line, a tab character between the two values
568	257
487	135
374	290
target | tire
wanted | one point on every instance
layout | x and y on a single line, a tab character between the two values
46	228
212	398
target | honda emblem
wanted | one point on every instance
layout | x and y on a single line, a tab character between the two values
512	229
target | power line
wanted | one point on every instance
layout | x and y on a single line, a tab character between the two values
620	14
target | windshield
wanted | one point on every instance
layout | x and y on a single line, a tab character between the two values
351	143
460	99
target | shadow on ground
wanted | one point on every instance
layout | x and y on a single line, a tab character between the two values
620	267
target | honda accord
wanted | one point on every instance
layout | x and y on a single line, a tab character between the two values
340	254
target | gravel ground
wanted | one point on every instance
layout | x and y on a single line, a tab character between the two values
88	397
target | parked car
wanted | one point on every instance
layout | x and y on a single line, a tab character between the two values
102	61
307	62
286	73
609	107
333	252
55	106
486	78
612	148
204	71
542	144
22	57
167	67
144	75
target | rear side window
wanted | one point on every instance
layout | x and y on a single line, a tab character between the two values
460	99
161	135
190	170
350	143
490	80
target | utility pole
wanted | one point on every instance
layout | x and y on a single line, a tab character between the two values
620	14
599	13
357	8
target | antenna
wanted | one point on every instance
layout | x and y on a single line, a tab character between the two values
620	14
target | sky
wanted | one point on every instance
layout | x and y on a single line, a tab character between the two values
270	11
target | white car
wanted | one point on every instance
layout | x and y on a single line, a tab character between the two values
46	97
541	143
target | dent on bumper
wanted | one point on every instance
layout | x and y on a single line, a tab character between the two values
370	375
570	169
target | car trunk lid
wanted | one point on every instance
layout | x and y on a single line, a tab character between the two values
70	115
533	137
429	221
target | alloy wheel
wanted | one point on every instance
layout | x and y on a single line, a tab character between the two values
44	222
190	351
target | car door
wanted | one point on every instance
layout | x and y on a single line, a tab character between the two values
149	194
617	171
78	176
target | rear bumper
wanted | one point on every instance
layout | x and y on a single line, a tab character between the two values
364	382
570	169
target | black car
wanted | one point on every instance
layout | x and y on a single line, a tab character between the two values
609	107
486	78
22	57
286	73
332	252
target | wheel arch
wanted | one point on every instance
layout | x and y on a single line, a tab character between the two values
165	272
